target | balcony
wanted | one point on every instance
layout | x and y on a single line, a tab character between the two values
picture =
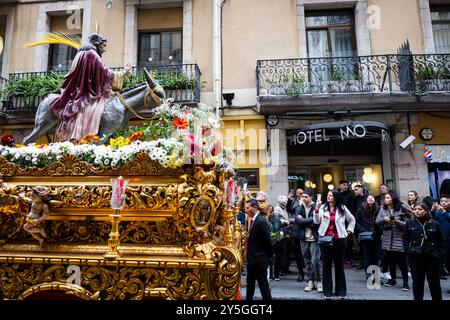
353	84
22	93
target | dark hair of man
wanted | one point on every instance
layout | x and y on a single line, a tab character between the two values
338	202
370	211
445	196
343	181
360	186
416	195
254	203
424	206
395	201
93	43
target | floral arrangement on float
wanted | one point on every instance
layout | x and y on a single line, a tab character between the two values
177	136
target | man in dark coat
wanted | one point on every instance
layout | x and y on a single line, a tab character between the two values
348	200
259	252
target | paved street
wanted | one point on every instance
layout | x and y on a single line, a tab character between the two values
288	288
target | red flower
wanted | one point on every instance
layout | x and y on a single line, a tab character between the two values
137	136
8	140
180	123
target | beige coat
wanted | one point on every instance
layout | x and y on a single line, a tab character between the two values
323	218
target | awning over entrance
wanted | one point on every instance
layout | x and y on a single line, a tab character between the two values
340	130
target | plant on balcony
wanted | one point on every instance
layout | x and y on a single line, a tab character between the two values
42	85
297	85
337	75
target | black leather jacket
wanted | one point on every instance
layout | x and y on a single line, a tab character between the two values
415	243
298	231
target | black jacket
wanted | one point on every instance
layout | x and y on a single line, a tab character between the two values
259	247
292	205
365	222
414	235
358	201
348	201
298	231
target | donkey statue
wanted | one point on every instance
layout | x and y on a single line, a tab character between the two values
115	115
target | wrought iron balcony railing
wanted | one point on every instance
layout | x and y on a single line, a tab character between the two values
24	91
364	74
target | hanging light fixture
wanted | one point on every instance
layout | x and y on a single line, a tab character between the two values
327	178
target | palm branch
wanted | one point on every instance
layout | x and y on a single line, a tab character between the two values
55	38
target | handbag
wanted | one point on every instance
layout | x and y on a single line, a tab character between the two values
365	235
326	241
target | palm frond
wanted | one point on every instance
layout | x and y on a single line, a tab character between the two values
55	38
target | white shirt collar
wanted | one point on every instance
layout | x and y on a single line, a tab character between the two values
254	217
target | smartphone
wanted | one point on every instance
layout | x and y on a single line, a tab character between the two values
392	217
319	197
244	188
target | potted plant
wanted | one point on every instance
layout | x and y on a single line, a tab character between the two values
297	85
335	84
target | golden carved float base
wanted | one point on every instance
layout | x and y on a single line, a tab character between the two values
174	239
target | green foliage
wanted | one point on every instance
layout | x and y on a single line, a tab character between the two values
337	75
42	85
430	72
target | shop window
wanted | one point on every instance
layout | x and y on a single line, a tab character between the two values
440	16
160	48
249	176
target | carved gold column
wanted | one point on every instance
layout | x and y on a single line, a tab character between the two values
228	236
113	241
236	229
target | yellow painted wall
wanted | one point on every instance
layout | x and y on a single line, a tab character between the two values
256	29
438	122
400	20
24	30
156	19
112	26
202	20
250	136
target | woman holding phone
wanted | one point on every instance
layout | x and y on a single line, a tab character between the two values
393	220
331	218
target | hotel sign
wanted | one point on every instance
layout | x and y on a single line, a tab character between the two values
339	131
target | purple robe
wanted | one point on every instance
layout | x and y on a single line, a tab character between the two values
84	92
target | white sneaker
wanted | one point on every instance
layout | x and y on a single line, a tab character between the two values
386	276
309	287
319	286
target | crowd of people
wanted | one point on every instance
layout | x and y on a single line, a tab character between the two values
413	235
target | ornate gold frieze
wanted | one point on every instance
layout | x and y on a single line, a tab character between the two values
70	165
19	281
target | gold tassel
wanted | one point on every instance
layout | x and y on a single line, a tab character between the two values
55	38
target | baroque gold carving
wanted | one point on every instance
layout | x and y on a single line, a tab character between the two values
106	283
224	281
70	165
198	200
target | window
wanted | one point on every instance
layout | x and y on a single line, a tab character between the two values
330	34
160	48
440	17
61	57
249	176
